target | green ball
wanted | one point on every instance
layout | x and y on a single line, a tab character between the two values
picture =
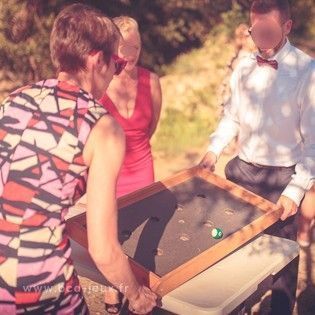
217	233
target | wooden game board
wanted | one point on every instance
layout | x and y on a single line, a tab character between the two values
165	228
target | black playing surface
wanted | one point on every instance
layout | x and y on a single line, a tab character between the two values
165	230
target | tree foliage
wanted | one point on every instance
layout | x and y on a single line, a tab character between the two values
168	28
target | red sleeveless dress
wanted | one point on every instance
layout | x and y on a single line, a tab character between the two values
137	170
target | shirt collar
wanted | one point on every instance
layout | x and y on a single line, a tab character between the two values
279	56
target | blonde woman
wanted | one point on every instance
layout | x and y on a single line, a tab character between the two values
134	99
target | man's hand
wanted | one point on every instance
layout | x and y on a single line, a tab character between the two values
288	206
208	162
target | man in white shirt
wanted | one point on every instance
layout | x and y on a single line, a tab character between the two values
272	111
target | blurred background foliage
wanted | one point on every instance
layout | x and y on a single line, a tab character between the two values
168	28
188	42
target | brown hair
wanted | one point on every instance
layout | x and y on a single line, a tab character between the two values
78	30
266	6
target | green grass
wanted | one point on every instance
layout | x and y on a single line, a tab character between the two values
179	133
190	116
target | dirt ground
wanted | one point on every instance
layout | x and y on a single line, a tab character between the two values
306	278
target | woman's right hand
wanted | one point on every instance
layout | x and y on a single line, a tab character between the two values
143	301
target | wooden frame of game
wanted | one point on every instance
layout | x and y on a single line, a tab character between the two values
162	285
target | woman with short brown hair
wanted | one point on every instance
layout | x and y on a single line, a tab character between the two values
51	133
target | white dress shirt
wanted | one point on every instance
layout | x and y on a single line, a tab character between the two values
273	113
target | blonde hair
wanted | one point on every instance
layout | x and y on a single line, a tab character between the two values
126	24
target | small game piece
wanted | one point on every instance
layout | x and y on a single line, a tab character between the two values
208	223
158	252
217	233
184	237
179	207
229	211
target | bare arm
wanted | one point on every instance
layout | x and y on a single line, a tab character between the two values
104	153
156	94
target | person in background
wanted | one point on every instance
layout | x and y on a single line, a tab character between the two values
272	110
55	138
134	99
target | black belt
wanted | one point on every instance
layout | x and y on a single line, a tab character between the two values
270	166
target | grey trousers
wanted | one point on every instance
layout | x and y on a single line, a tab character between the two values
269	182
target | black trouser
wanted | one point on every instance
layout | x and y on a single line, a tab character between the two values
269	183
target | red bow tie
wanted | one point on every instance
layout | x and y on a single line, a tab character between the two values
272	63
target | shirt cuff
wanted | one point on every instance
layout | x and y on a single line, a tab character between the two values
295	193
214	149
